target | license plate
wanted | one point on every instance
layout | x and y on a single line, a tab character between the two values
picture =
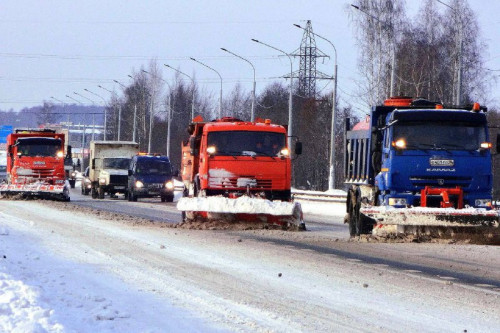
119	187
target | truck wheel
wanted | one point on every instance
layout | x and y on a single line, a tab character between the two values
72	183
167	198
163	198
132	196
101	193
94	193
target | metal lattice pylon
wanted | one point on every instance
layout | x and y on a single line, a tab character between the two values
308	53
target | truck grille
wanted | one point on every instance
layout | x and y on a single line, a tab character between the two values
421	182
236	182
118	179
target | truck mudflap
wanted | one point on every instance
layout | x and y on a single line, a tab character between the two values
38	189
242	209
389	220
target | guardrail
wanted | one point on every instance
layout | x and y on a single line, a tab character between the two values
319	196
305	195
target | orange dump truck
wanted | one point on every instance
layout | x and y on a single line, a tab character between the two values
236	170
35	164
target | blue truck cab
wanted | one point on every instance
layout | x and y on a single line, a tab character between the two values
150	176
415	153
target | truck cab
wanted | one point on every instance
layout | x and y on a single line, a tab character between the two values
150	175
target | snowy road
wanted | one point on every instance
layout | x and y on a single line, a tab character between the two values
144	276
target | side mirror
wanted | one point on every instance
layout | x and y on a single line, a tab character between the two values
298	148
192	145
130	172
93	164
68	152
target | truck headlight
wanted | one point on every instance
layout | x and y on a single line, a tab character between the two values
73	174
169	185
397	202
102	181
139	184
483	203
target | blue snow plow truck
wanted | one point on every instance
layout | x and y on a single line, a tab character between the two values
415	167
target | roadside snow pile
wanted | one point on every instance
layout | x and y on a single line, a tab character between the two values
243	204
21	309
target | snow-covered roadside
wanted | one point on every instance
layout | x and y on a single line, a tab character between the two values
40	292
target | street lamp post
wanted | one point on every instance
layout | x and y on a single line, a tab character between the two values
169	113
331	177
93	115
83	132
93	93
192	82
220	77
119	112
393	51
135	113
458	98
64	109
252	113
290	98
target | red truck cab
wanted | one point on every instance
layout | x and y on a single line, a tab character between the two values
231	157
35	156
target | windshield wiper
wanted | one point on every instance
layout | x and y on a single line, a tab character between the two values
265	154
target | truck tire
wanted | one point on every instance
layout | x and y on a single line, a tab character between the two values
94	192
132	196
101	193
169	198
72	183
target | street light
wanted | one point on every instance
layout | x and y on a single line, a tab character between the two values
169	115
64	108
220	97
93	115
331	178
460	46
290	98
192	82
393	61
83	132
105	112
120	112
252	113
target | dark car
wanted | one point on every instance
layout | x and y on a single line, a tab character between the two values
150	176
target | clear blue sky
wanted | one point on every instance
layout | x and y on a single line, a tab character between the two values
55	47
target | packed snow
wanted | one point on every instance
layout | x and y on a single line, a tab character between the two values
70	290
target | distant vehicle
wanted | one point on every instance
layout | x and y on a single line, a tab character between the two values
150	176
35	164
109	163
3	166
86	183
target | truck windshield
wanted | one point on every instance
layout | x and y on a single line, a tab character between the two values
440	136
240	143
116	163
38	146
154	167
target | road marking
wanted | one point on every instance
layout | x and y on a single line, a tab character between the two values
412	271
354	260
485	285
447	277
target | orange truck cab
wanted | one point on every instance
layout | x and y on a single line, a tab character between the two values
230	157
35	162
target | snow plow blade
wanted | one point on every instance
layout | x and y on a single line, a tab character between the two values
243	209
431	221
36	189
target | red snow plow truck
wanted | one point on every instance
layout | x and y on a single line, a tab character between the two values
238	171
35	164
